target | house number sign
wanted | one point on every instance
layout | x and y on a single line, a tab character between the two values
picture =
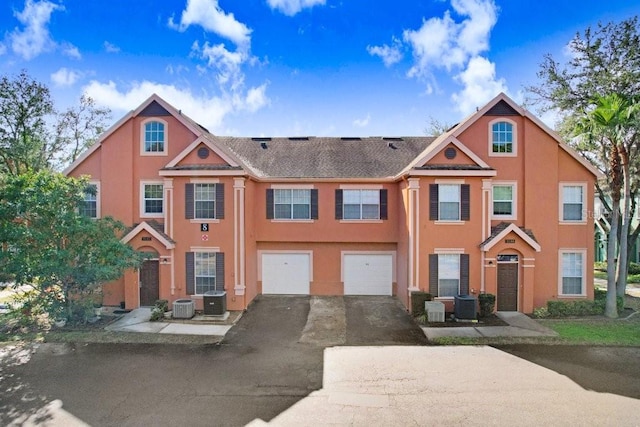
510	240
204	227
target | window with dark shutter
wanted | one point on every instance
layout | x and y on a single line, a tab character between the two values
190	273
269	203
188	203
465	208
338	204
314	203
219	201
464	274
433	202
433	274
220	271
383	204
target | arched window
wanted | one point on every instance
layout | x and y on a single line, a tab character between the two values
154	138
502	138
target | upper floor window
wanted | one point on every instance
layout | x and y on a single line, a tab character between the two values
364	204
204	201
504	200
449	202
502	138
154	140
152	199
292	203
572	204
572	272
89	204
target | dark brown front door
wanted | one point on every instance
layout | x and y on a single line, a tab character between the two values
508	287
149	281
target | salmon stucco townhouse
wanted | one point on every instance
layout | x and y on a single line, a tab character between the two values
497	204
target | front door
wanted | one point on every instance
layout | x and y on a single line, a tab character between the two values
508	286
149	282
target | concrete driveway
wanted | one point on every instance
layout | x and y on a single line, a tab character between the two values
269	360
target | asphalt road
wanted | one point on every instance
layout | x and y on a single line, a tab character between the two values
259	370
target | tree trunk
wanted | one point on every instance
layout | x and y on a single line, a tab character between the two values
611	309
621	273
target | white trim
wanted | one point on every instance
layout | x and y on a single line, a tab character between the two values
435	148
583	252
204	221
444	251
583	212
449	181
452	222
292	186
361	221
211	249
142	207
189	172
452	172
511	228
165	142
207	142
514	142
239	236
514	200
204	181
144	226
361	187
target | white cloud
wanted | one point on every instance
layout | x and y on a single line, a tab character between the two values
443	42
292	7
362	122
110	47
64	77
71	51
226	63
206	110
390	54
34	38
3	49
480	85
209	15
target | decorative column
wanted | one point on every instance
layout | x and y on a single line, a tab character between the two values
414	235
238	236
486	225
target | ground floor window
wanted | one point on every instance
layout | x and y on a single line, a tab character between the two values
205	272
448	275
572	272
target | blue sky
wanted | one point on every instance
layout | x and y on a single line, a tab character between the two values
295	67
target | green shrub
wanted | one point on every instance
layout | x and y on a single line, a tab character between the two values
162	304
634	268
487	304
418	299
633	278
600	266
156	314
540	312
581	307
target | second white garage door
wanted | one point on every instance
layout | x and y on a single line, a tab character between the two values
368	274
285	273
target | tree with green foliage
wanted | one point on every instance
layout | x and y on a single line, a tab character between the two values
47	243
34	136
594	95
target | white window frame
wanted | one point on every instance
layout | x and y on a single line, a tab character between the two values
143	207
514	199
165	142
583	253
97	201
361	204
449	184
448	255
583	216
195	202
197	257
514	142
291	217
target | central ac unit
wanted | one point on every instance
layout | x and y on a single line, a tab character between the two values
184	309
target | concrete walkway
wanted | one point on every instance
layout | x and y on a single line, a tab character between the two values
520	325
138	321
434	386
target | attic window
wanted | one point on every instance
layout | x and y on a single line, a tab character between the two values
203	152
450	153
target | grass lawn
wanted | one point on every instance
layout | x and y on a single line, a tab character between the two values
598	332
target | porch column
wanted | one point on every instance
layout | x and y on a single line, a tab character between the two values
414	235
238	236
528	276
486	226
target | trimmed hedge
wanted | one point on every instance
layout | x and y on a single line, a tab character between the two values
418	299
582	307
487	304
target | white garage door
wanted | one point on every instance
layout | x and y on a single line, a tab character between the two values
286	273
368	274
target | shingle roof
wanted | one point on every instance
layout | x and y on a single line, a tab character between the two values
501	227
325	157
